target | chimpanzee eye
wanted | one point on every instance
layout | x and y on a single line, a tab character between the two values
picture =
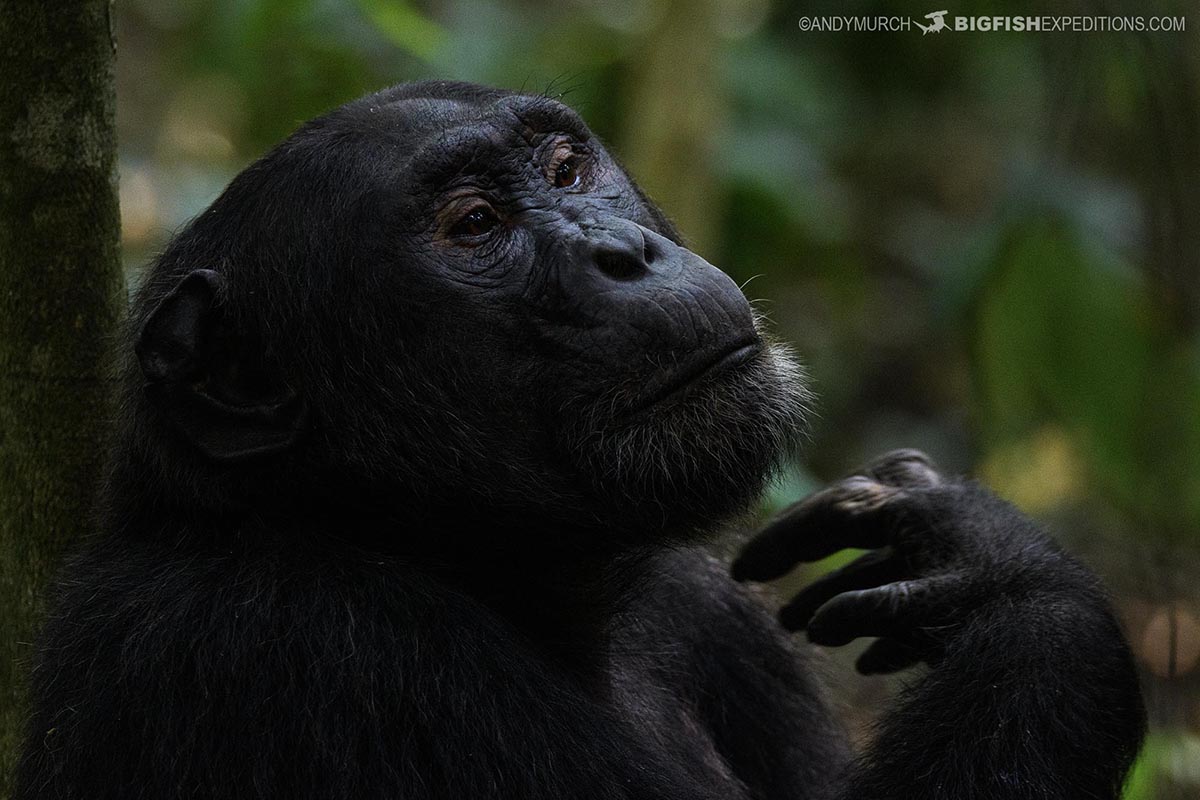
567	173
479	221
567	166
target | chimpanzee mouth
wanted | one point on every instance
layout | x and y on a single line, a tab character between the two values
701	367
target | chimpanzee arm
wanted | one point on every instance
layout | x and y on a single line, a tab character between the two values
1032	691
1033	699
751	687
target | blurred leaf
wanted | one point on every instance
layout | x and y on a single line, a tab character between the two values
1139	785
1038	473
1069	337
404	26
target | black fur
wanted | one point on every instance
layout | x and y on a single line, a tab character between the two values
423	423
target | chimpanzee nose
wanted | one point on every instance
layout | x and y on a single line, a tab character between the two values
621	250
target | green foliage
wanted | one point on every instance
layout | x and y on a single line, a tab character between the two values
405	27
1071	336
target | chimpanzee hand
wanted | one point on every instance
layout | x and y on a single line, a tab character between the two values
941	552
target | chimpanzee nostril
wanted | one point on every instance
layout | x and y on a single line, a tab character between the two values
649	250
624	253
620	264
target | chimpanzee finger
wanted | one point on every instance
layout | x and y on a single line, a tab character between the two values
904	469
894	610
843	515
867	571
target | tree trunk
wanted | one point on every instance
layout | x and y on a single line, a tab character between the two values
669	139
61	292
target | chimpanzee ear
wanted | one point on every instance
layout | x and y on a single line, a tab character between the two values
212	383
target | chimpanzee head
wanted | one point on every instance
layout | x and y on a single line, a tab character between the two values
447	296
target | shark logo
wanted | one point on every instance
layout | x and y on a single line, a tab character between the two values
937	22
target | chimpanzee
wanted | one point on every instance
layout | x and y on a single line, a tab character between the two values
424	426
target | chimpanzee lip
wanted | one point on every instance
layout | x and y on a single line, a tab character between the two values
705	365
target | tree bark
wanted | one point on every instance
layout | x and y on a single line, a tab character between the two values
61	292
669	140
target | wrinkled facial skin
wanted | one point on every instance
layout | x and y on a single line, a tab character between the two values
629	360
483	308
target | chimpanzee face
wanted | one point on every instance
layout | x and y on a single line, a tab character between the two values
459	290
